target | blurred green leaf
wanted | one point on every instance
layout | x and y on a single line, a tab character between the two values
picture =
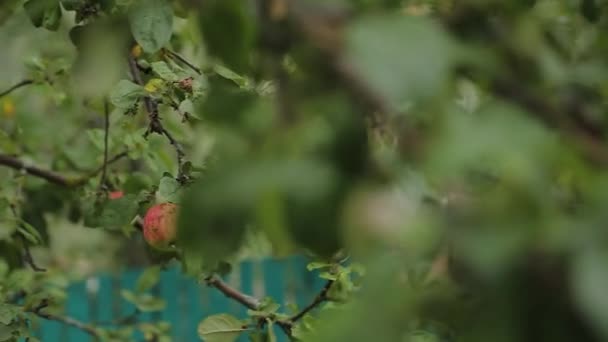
151	23
229	32
589	281
44	13
403	58
148	279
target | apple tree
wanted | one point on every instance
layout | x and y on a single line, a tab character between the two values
442	162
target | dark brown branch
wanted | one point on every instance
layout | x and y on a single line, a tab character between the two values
50	176
151	106
47	175
319	299
181	59
179	151
16	86
63	319
106	110
156	125
230	292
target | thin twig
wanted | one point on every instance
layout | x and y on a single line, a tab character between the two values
109	162
319	299
148	102
63	319
179	151
27	256
181	59
16	86
106	109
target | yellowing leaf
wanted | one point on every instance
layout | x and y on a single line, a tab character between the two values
136	51
8	108
153	85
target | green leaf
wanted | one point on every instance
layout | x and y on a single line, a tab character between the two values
96	136
315	265
220	328
125	94
119	212
144	302
8	312
402	58
6	333
149	303
30	233
20	279
151	23
164	71
72	5
169	189
148	279
589	282
112	214
44	13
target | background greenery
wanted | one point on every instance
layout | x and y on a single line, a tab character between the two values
454	150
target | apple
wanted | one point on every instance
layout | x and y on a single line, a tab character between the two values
160	225
115	194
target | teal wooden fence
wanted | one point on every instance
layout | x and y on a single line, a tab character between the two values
98	299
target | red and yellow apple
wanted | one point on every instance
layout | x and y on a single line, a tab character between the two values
160	225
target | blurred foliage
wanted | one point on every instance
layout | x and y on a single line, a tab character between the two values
454	150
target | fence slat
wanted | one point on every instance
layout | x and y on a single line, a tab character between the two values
195	309
274	285
246	284
77	308
168	290
128	280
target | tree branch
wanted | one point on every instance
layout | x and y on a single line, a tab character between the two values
47	175
16	86
52	176
63	319
319	299
230	292
156	125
